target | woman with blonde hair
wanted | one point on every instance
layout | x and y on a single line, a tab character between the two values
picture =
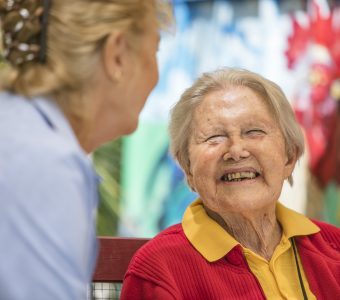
73	75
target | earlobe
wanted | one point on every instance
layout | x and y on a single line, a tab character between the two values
113	52
190	182
190	179
290	164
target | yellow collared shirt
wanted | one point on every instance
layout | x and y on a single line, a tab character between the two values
278	277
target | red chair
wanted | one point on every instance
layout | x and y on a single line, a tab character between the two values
114	257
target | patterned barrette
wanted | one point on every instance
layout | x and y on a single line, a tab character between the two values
24	27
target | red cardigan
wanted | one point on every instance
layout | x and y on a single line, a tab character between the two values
168	267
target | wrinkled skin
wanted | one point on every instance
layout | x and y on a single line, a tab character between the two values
235	132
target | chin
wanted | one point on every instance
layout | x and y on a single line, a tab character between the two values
131	127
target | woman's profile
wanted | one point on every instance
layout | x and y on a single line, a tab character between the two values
73	75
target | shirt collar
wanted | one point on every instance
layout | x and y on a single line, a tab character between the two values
55	118
294	223
213	242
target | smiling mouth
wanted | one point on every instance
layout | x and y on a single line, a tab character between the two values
239	176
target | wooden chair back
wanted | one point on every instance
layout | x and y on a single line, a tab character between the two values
114	257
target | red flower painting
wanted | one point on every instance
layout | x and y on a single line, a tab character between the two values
315	41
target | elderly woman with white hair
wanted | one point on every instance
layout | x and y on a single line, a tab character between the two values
236	138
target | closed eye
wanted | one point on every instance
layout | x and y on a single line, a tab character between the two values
255	132
215	138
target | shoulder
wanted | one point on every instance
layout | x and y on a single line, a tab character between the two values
33	162
47	197
41	168
169	248
45	177
167	240
31	149
329	233
326	226
16	112
155	268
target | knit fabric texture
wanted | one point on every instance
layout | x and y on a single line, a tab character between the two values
169	267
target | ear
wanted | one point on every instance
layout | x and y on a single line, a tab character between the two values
190	178
290	164
115	52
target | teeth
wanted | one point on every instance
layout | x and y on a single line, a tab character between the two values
239	176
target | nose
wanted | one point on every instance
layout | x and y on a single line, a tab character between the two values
235	150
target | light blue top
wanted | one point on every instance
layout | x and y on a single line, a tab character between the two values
48	201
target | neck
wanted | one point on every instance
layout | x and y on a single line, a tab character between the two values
90	124
258	231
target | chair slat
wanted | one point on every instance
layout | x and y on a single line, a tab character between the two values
114	257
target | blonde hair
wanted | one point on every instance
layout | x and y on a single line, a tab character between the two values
180	126
76	31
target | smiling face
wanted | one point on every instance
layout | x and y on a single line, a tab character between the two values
237	152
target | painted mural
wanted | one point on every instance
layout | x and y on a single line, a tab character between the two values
209	34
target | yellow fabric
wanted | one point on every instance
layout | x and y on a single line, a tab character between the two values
278	277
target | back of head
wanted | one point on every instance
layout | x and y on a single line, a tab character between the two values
271	93
52	46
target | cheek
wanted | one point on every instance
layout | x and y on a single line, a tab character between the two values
157	74
201	161
272	154
203	175
154	71
276	169
150	68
